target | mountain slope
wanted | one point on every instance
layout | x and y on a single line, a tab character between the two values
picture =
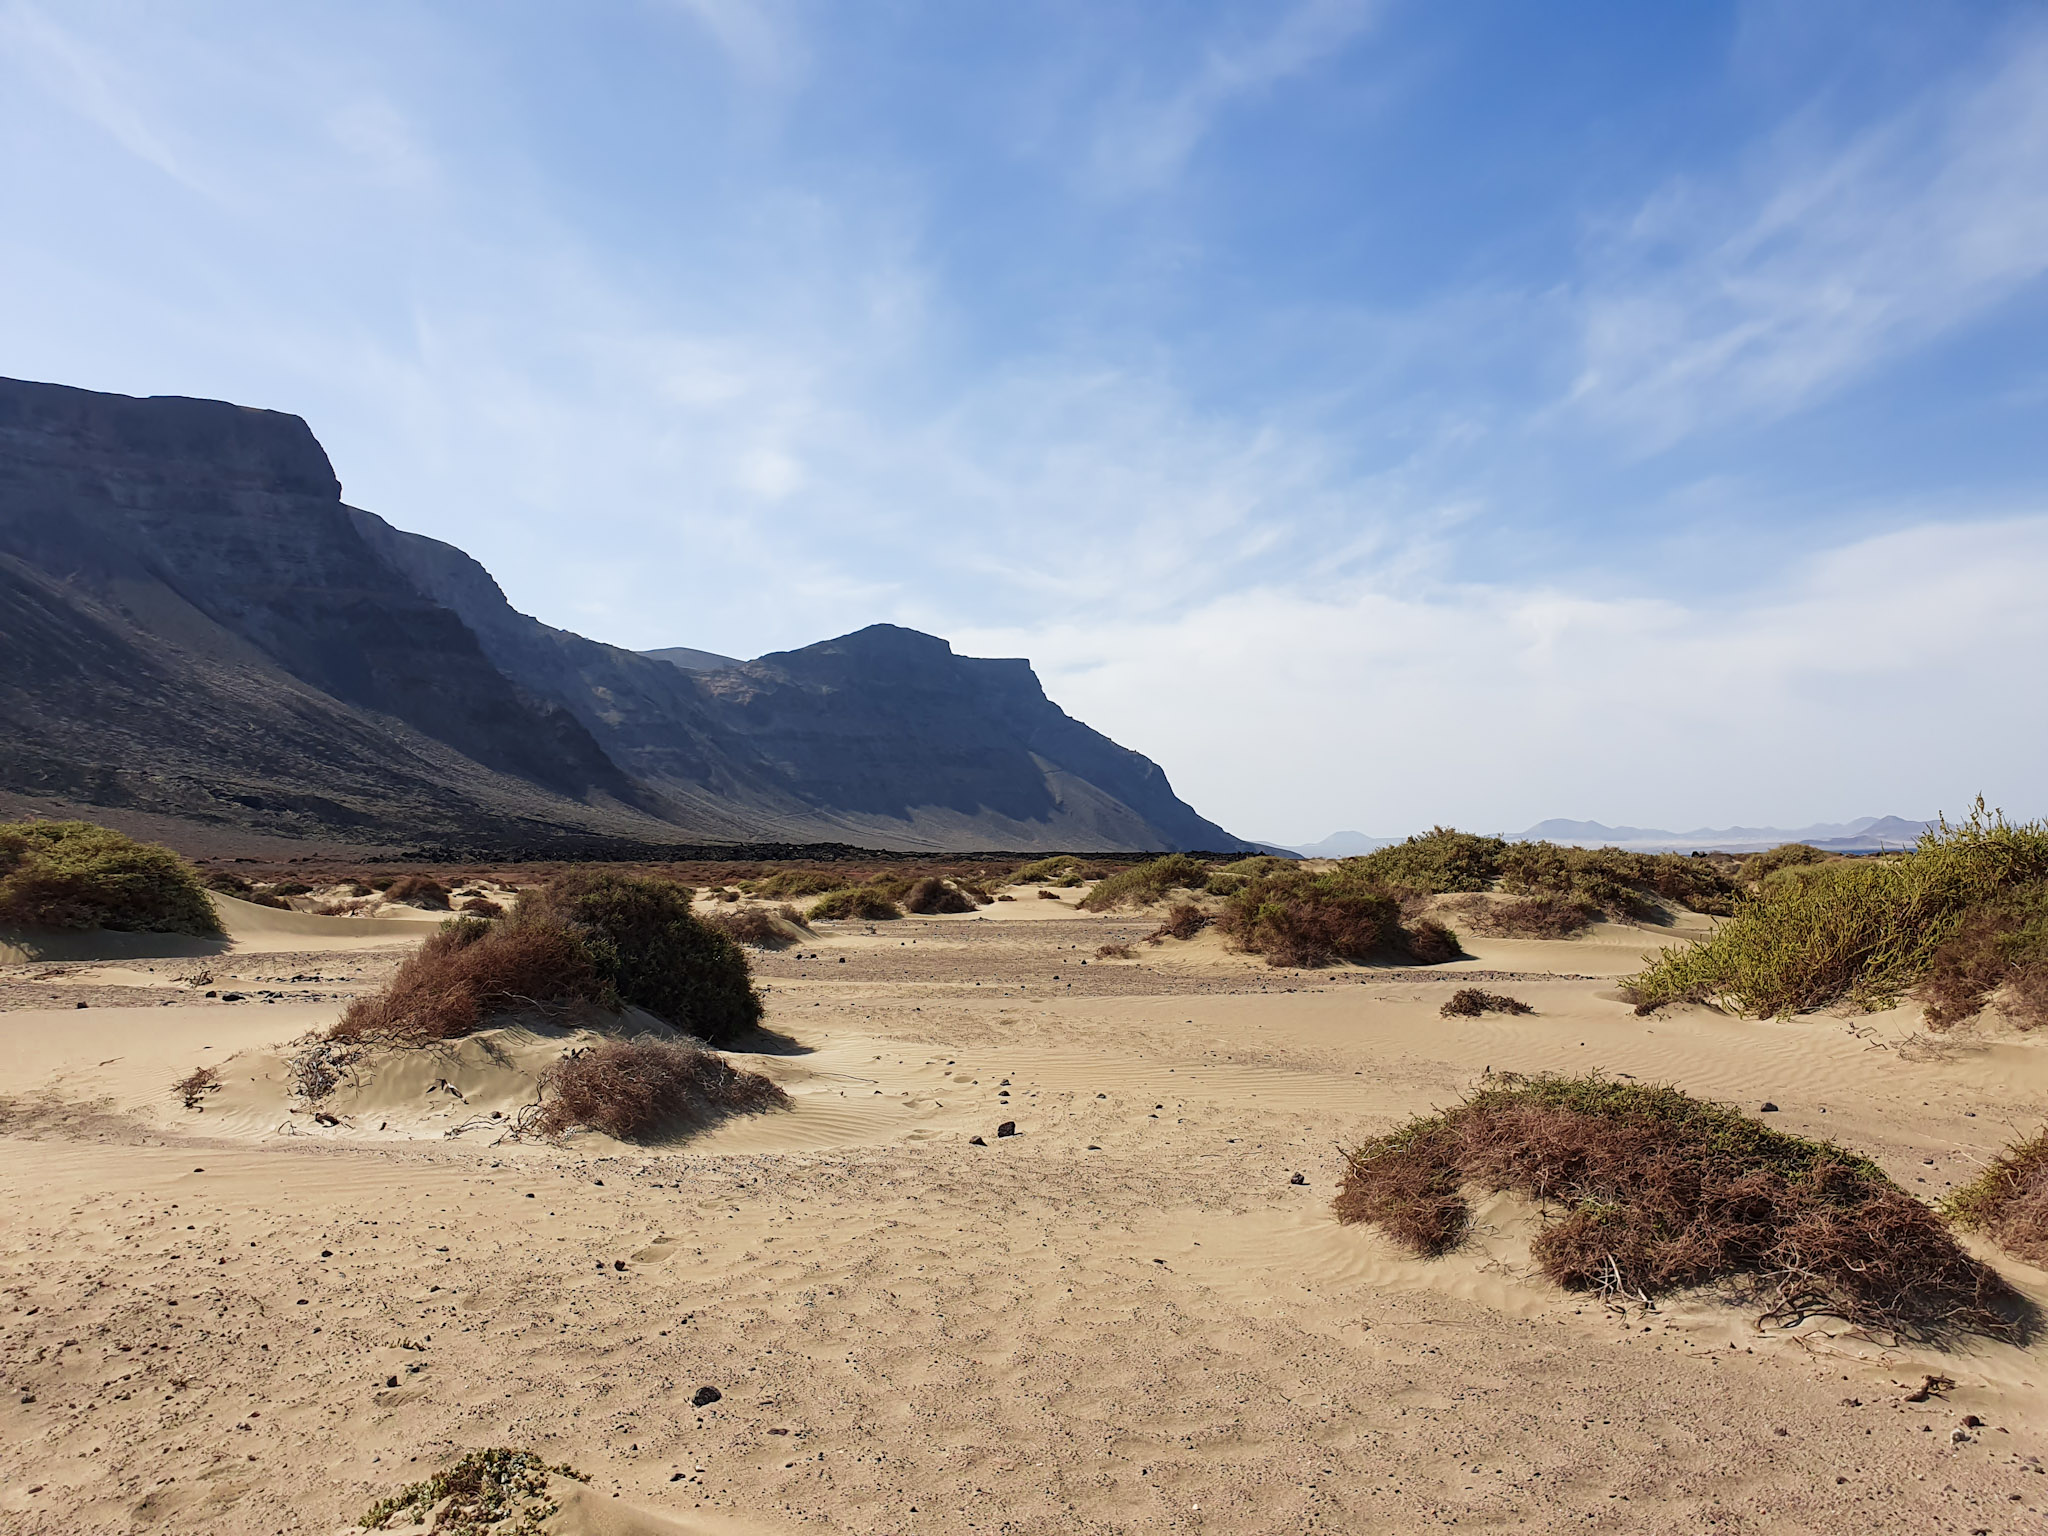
198	626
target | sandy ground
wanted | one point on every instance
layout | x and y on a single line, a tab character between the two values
1123	1318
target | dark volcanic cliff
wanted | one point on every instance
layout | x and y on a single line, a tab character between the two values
195	625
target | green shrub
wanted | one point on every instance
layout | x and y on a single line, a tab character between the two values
2000	943
1860	930
1222	883
1436	862
1143	884
72	874
1616	880
1760	866
1301	917
651	951
858	903
1660	1191
1061	869
787	884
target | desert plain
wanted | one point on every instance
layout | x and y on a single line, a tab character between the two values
1136	1313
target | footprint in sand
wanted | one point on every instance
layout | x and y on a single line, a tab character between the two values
655	1252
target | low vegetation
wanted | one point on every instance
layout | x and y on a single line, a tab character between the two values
758	927
195	1085
1114	952
497	1492
1301	917
1471	1002
1183	921
1961	915
72	874
418	891
588	936
1615	880
1436	863
635	1089
1525	917
1759	867
1143	884
858	903
790	884
2008	1201
468	972
933	895
1061	869
649	949
1659	1191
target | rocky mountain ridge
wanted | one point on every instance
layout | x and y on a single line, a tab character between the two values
198	626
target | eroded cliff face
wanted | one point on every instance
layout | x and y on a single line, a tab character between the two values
196	624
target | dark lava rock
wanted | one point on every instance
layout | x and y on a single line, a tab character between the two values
1299	1178
1007	1128
976	1141
1768	1108
705	1397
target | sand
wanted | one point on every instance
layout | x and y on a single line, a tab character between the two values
1123	1318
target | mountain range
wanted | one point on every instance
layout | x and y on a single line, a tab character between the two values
198	628
1866	834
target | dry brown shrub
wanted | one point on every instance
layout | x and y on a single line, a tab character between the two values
1115	952
751	925
1470	1003
2008	1201
195	1085
1048	895
1183	921
482	906
418	891
1662	1191
633	1089
466	972
1554	915
932	895
2000	947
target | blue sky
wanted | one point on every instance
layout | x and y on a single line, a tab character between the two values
1380	413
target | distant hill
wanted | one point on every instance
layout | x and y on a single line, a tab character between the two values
1867	834
1341	845
197	627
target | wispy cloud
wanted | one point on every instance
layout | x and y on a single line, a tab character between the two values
1752	300
1145	137
94	84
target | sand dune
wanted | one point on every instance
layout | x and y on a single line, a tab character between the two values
1124	1318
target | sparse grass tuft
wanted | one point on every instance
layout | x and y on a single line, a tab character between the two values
72	874
787	884
193	1087
1302	917
1866	930
1143	884
2008	1201
1060	869
754	926
1115	952
1661	1191
933	895
859	903
634	1089
497	1492
418	891
1471	1002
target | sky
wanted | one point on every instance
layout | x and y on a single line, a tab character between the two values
1380	413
